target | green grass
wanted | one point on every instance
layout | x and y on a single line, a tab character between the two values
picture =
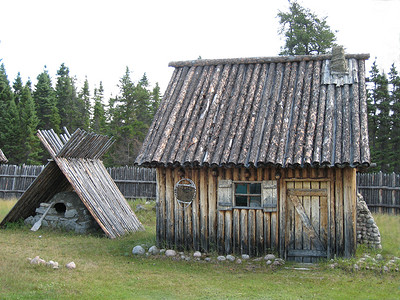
106	269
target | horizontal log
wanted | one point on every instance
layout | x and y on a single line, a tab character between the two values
308	192
259	60
389	188
383	205
302	253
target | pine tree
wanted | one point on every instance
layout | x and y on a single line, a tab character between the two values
83	106
155	99
98	123
394	80
18	87
304	32
30	148
379	120
66	99
11	132
45	101
6	102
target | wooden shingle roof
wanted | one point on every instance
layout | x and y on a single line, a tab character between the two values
282	111
3	158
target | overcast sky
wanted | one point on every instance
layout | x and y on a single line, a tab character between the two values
98	39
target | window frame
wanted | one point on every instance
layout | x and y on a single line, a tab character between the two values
248	194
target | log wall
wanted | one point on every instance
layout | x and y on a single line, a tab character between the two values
201	226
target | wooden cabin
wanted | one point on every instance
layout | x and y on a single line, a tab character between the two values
272	145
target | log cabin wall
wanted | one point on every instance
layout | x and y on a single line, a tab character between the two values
205	226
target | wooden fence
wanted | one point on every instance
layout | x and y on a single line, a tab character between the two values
133	182
381	191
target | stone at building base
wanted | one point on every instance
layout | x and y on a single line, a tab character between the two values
367	231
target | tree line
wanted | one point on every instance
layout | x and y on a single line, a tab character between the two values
25	108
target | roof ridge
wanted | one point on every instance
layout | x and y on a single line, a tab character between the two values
257	60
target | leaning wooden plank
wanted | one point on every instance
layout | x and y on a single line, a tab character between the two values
306	222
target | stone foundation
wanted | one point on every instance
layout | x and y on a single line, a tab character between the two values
367	230
68	213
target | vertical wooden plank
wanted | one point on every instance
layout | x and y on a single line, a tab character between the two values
236	231
339	247
349	203
160	207
203	191
298	224
221	231
244	232
307	209
267	231
187	213
178	211
331	213
195	212
212	210
228	232
283	229
259	232
252	232
315	214
393	193
169	199
323	229
274	231
380	195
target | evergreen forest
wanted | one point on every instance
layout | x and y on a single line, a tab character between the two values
55	104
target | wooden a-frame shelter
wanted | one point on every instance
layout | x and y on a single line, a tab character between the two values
3	158
76	166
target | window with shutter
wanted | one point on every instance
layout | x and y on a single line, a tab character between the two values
225	195
269	195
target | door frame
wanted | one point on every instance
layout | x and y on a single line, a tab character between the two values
284	197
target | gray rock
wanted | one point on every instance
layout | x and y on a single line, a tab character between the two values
258	259
385	269
239	261
154	250
221	258
269	262
269	257
208	259
230	257
197	254
379	257
139	207
170	253
70	265
356	267
245	256
138	250
162	251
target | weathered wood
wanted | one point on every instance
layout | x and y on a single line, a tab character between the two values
349	206
169	207
259	234
307	252
228	232
306	222
327	144
178	214
244	241
236	231
160	207
195	211
220	231
307	210
322	192
212	208
252	232
203	191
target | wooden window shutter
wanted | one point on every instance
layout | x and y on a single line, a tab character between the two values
269	195
225	195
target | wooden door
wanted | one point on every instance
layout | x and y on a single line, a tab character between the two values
307	220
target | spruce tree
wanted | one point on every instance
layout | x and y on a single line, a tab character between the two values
66	100
6	102
30	147
379	120
45	101
98	122
155	99
83	107
394	80
11	132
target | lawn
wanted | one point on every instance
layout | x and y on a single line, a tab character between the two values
106	269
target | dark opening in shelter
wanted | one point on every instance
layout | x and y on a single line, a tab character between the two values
272	145
76	167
